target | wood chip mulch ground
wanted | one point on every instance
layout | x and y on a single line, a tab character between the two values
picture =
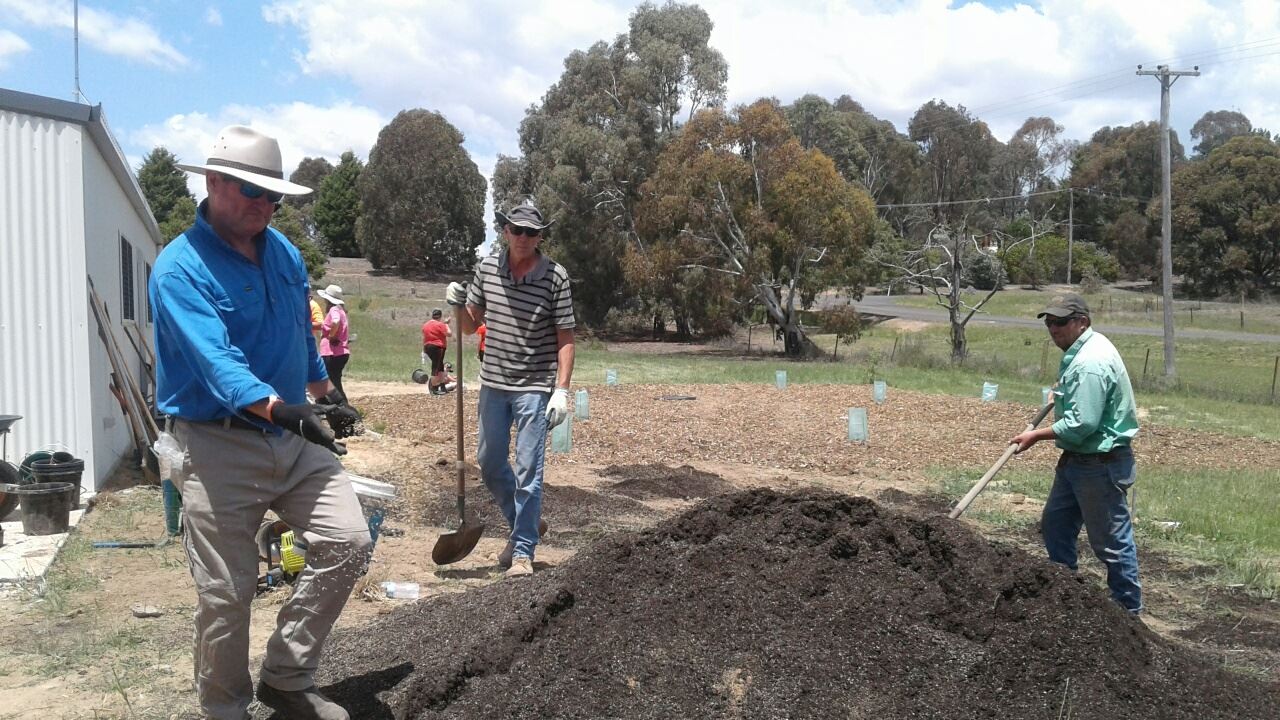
804	427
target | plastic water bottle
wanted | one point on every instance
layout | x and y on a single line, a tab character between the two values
401	590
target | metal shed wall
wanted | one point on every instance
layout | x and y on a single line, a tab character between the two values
43	311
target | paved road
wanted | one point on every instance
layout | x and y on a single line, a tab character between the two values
887	306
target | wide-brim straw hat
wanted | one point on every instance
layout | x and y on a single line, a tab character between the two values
246	154
333	294
524	215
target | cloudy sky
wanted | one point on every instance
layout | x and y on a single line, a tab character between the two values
326	75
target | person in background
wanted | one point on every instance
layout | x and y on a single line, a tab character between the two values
435	338
481	329
1097	419
317	317
524	297
234	362
335	347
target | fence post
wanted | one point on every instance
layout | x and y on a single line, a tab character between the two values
750	327
896	338
1193	315
1144	364
1273	379
1241	319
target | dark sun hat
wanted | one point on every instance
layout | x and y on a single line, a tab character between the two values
1065	306
525	215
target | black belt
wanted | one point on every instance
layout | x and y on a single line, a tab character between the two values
1111	455
231	422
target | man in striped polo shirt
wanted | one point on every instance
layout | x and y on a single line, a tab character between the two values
524	299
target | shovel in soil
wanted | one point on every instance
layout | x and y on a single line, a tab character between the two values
452	547
1008	453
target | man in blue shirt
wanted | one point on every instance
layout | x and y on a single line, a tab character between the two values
235	361
1097	418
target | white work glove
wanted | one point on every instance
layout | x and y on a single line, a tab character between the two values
557	407
456	294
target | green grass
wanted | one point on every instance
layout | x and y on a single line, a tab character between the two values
1221	521
1123	307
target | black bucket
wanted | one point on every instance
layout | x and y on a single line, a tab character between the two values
61	468
46	507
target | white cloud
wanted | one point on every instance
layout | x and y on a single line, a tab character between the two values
481	64
213	16
303	130
478	63
10	45
110	33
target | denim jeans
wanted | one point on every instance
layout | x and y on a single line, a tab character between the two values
517	491
1090	491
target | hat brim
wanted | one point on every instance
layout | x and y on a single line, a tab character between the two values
1057	312
504	220
330	298
284	187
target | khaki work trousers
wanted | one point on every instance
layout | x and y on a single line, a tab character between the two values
231	477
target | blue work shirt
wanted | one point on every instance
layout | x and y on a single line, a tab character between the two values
229	332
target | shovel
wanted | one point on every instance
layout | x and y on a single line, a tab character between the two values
452	547
1008	453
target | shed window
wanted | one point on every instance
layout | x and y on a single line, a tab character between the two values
127	305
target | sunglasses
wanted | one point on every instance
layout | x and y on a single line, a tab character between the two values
519	230
1051	321
253	192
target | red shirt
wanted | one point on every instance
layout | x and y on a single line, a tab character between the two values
434	332
480	333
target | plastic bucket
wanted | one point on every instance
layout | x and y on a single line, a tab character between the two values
61	468
25	474
46	507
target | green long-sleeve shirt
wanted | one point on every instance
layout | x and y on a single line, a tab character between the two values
1094	404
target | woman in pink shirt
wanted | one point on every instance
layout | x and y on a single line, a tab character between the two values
334	348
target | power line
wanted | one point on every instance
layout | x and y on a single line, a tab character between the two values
1090	192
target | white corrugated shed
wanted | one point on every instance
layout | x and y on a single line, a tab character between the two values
70	209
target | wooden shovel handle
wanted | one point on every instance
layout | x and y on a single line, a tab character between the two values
462	453
1008	453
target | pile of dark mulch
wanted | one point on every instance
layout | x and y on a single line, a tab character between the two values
765	605
659	481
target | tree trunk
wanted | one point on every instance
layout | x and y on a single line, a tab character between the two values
659	326
796	343
683	331
959	345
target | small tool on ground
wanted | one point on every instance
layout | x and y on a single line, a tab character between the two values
452	547
1008	453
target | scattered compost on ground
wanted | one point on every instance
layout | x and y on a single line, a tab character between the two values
659	481
760	604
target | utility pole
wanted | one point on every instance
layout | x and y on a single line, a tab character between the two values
1167	79
1071	227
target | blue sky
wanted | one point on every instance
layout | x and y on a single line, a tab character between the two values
326	75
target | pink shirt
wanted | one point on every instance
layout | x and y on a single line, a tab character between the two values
333	333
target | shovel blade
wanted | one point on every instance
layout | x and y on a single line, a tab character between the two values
452	547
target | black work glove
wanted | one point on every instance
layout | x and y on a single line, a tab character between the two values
303	419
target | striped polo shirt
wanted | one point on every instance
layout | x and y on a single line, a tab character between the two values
520	348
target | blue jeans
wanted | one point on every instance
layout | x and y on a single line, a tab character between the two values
517	491
1090	491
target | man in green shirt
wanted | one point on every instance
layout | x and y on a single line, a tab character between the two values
1096	421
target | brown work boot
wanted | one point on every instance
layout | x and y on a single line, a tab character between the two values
520	567
504	557
306	704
